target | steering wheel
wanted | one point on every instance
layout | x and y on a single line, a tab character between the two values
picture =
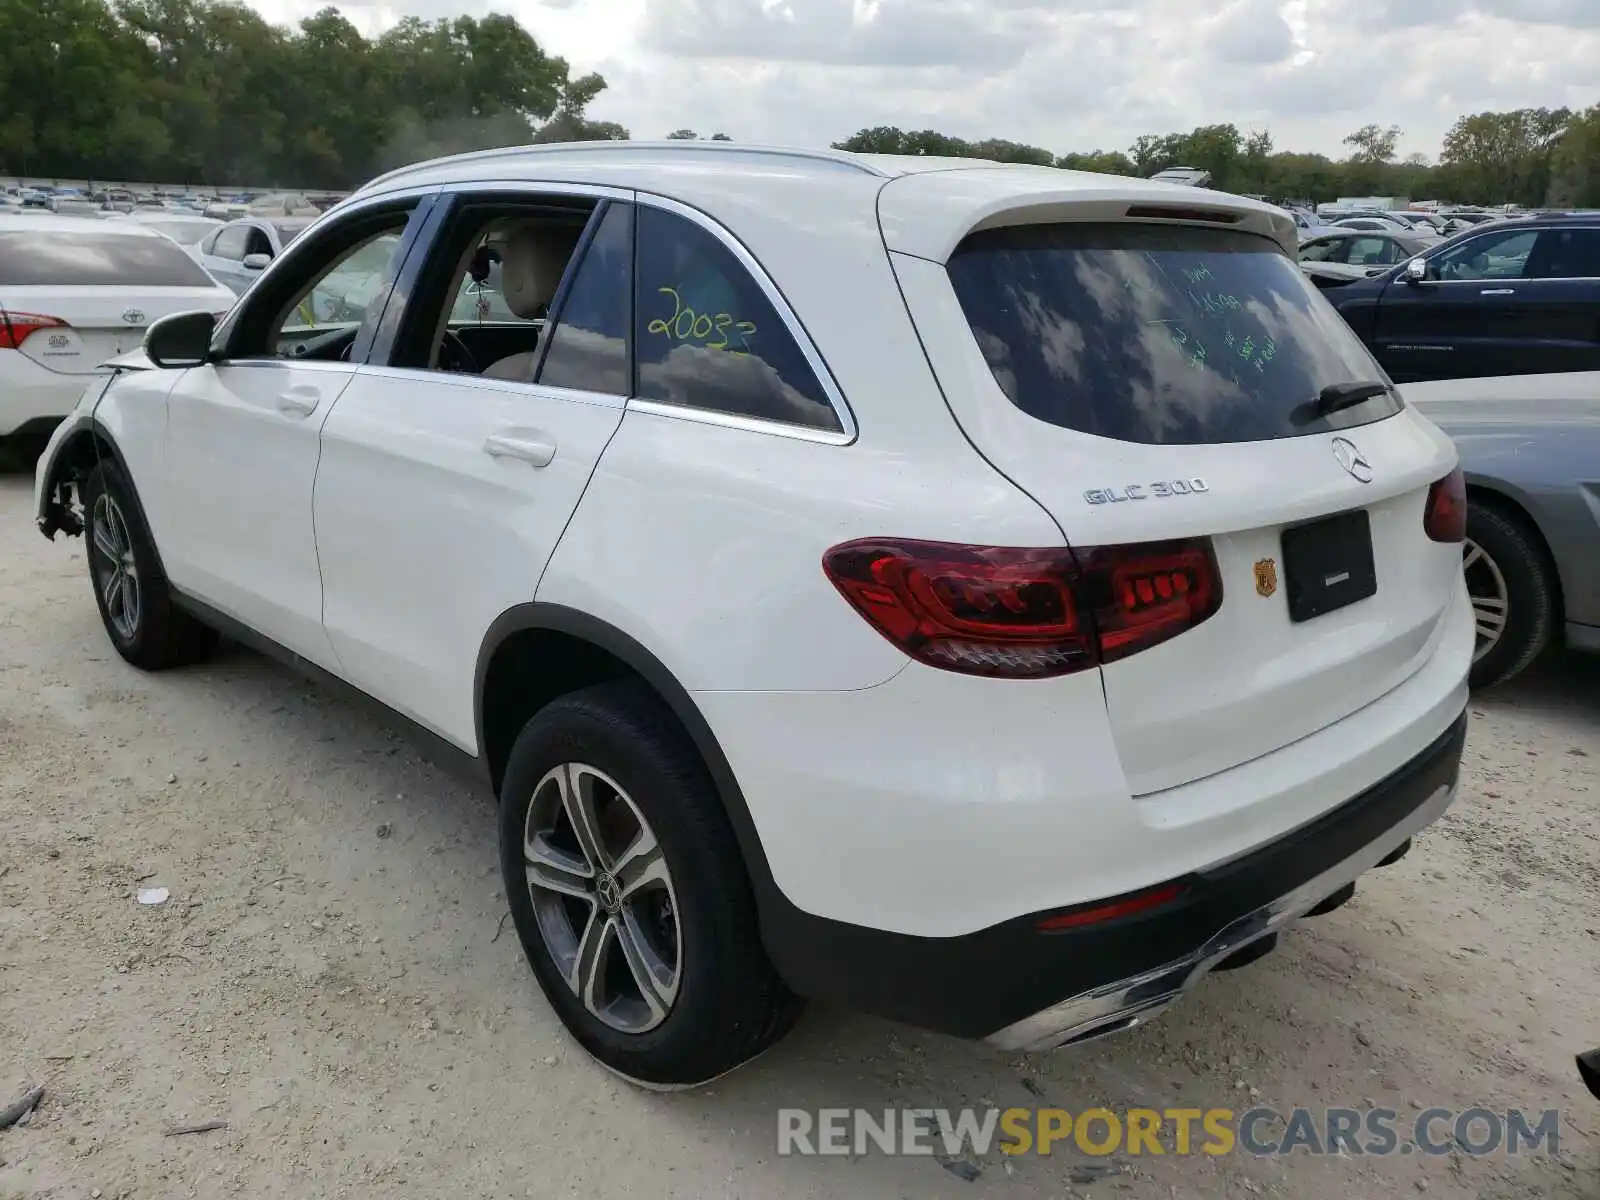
454	355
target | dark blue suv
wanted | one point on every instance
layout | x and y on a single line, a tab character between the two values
1516	297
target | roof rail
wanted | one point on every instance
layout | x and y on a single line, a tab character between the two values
686	147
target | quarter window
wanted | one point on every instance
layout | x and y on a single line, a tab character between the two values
706	335
589	346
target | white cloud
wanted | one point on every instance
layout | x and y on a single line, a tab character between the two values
1064	74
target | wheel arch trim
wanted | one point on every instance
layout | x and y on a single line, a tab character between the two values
85	427
558	618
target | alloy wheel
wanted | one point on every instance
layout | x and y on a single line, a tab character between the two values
116	573
1491	599
603	897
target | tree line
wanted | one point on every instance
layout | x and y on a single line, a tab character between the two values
1533	157
207	92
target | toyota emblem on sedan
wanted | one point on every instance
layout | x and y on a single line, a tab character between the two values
1352	460
133	316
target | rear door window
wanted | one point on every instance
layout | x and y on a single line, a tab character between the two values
1566	254
589	344
96	260
1158	334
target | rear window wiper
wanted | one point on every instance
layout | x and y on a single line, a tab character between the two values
1336	397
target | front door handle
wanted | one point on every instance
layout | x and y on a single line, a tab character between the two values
299	401
1498	292
532	447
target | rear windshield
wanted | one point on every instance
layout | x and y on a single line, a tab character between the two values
96	259
1161	334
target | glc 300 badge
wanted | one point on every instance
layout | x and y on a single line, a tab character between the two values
1146	491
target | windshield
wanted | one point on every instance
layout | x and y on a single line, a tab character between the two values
1160	334
288	231
96	259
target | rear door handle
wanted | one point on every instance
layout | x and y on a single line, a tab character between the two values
299	401
1498	292
533	447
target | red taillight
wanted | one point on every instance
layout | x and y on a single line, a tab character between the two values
1445	518
1144	594
1110	910
1025	613
18	327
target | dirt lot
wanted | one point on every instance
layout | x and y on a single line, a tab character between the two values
331	978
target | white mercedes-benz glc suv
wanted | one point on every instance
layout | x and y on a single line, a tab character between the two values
986	596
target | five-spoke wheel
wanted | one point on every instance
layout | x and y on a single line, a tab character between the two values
629	892
115	570
603	897
1511	582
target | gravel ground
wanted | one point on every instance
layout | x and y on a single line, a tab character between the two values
331	978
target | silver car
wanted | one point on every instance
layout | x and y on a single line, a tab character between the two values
1530	447
237	252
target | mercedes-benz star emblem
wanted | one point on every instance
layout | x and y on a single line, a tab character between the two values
1352	460
608	892
133	316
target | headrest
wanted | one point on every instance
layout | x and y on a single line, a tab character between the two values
532	258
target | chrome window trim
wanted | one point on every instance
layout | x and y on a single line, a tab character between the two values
536	187
711	416
847	431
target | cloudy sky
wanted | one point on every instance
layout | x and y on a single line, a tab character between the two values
1064	74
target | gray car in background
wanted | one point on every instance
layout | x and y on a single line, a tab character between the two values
1530	448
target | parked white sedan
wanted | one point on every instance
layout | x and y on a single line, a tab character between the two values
74	292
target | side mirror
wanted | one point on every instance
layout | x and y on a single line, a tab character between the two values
256	262
180	340
1416	270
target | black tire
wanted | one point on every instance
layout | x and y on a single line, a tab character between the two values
730	1004
1516	552
158	635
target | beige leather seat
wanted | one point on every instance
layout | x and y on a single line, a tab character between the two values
532	259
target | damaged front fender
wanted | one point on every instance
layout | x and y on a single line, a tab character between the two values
77	444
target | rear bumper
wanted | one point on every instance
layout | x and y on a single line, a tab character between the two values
30	395
1021	988
1247	900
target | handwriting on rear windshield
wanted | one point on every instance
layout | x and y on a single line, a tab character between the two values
1239	349
714	331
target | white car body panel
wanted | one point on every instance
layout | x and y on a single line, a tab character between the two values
426	535
876	810
242	444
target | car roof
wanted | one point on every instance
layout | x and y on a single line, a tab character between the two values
926	204
51	223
